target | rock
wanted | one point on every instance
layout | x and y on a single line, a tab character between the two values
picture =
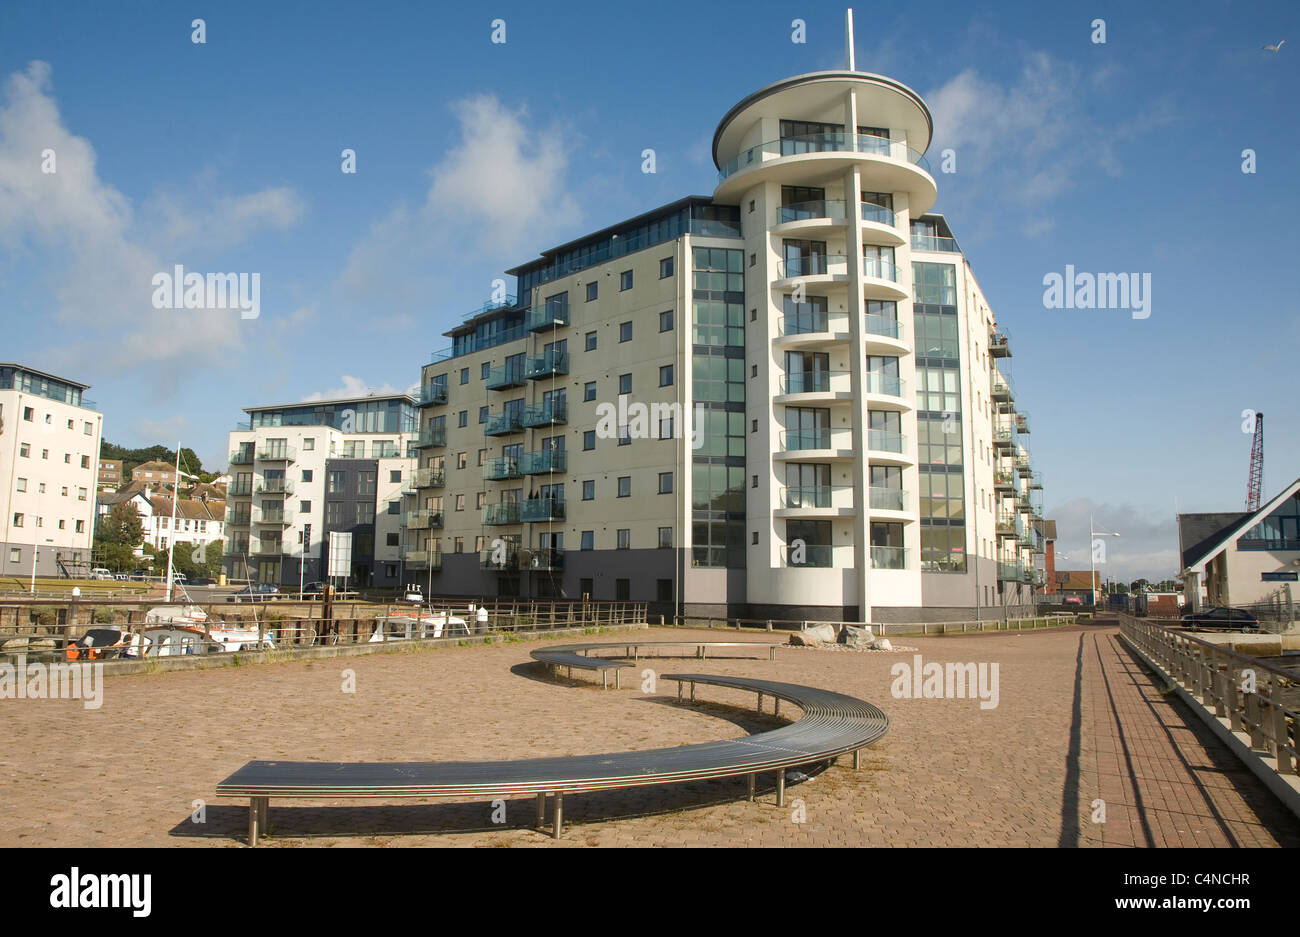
800	639
826	634
856	636
881	644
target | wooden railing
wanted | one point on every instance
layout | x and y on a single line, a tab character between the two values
1257	698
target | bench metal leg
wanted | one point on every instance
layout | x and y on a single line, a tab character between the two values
751	788
776	706
771	653
618	679
541	809
679	689
266	816
559	815
857	759
254	819
760	702
780	787
604	679
692	691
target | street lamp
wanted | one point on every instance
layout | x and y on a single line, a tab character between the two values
1093	534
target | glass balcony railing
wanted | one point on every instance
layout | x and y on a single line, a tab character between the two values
1000	389
544	414
796	439
803	323
500	469
423	520
432	394
880	269
1009	572
549	364
240	488
999	347
278	518
422	559
884	384
813	265
821	143
926	242
884	441
888	499
429	478
552	315
888	558
534	510
878	214
275	486
807	382
504	423
805	211
494	515
1022	422
541	463
504	377
276	454
813	496
506	558
1006	523
547	558
238	519
812	555
884	325
1004	479
267	548
431	436
242	456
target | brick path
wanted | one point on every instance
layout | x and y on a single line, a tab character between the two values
1077	719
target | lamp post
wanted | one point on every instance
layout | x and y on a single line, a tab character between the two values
1093	534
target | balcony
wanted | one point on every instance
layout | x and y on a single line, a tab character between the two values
503	423
1036	481
501	469
268	548
422	559
884	326
879	269
1004	480
888	558
1006	525
423	520
885	385
545	414
275	486
1037	577
888	499
432	395
505	559
547	559
240	488
807	382
1022	504
544	462
927	242
811	555
814	265
540	510
276	454
878	214
1010	572
505	377
238	519
242	456
496	515
812	327
1022	464
817	210
429	478
999	347
1022	422
886	165
552	315
1003	437
1000	390
816	501
431	436
280	518
550	364
880	440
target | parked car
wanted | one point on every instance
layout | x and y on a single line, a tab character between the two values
313	588
121	577
100	573
254	592
203	581
1072	600
1219	618
139	575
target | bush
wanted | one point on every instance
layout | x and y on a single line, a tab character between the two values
103	616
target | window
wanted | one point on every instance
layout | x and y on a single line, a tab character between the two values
29	414
45	453
309	445
480	499
484	369
625	280
482	414
15	555
460	502
81	494
625	486
306	475
625	332
67	459
591	290
588	542
365	513
665	483
81	527
666	375
333	513
589	390
482	457
22	484
24	450
665	537
588	491
365	483
666	321
625	383
588	440
391	539
394	507
624	436
88	429
18	519
458	545
338	482
463	418
665	268
622	590
464	375
624	538
460	460
590	341
395	475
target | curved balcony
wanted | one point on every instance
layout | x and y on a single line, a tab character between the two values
887	448
889	558
816	218
884	333
886	165
817	443
815	501
887	499
813	387
881	281
880	226
886	391
809	555
813	270
812	329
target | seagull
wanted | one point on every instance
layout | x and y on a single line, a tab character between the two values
1275	48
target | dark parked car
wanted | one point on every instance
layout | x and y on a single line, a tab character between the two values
1220	617
313	588
254	592
205	581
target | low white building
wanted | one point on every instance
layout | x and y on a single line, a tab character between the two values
1242	558
198	522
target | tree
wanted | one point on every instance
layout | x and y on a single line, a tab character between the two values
122	525
118	557
1139	585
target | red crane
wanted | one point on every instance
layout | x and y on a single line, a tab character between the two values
1256	480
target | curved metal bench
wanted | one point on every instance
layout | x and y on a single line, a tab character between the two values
832	725
578	655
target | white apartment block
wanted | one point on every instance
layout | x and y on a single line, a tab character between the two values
49	460
299	471
859	454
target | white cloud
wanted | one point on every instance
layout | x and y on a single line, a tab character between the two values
1147	545
80	231
357	387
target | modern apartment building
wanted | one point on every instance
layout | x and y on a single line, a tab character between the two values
49	459
301	471
786	400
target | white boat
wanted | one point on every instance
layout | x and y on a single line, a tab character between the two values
407	626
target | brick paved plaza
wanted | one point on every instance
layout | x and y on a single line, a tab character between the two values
1077	720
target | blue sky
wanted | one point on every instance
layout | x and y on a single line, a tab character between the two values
473	156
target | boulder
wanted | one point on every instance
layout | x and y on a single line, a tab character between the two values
881	644
801	639
826	634
856	636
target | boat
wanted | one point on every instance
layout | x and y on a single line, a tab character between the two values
416	623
